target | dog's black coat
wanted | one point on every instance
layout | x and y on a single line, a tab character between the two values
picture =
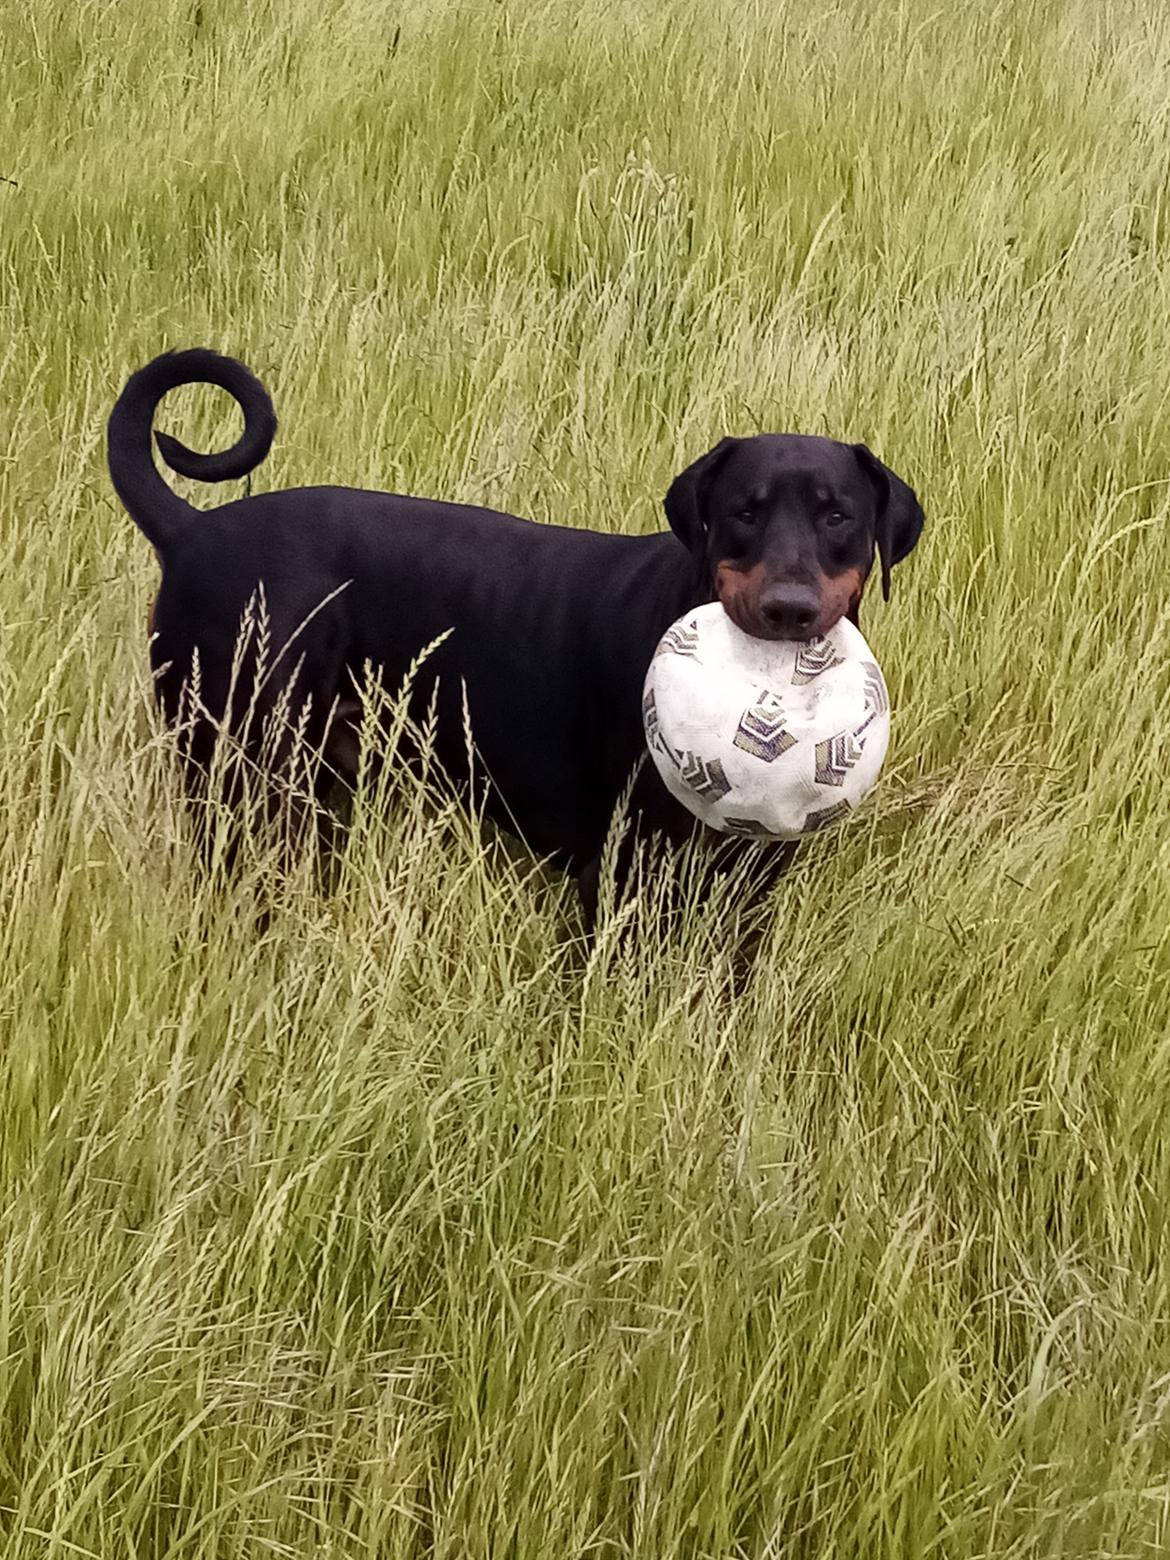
550	629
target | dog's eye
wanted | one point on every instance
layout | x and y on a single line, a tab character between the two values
746	517
835	517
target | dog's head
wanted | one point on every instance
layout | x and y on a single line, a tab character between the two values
786	527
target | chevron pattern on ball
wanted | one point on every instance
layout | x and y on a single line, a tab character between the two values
747	828
821	817
762	731
812	660
705	776
650	718
682	639
836	756
876	696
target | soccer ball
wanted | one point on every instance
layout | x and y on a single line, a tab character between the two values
767	739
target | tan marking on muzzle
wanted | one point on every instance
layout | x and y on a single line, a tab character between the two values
738	590
842	593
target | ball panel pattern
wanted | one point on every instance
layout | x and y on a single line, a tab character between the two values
762	729
813	659
826	815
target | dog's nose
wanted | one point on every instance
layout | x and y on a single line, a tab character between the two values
789	610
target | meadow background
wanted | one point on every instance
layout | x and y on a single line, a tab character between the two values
408	1228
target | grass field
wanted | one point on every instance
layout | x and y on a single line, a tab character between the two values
407	1229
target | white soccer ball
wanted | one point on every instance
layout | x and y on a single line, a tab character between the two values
768	739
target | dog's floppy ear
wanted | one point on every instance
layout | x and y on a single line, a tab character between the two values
684	501
899	514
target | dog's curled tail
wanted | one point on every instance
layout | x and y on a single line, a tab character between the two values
157	511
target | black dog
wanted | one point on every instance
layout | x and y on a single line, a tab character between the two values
549	629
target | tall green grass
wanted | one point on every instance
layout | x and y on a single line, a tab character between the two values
408	1226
